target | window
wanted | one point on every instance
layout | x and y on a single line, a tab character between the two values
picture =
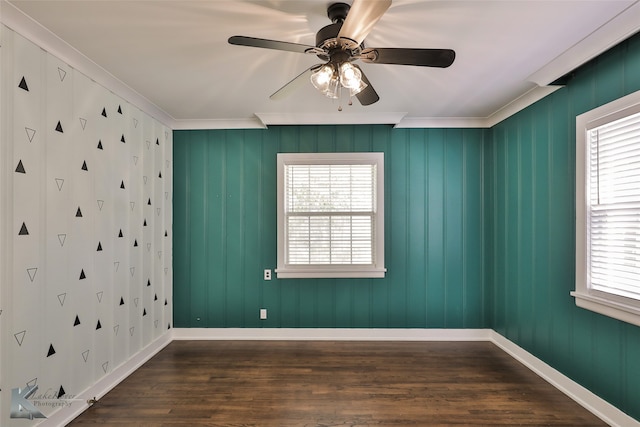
330	215
608	209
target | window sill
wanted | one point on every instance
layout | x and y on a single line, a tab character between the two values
288	273
617	310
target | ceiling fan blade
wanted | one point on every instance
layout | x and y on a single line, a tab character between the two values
422	57
368	95
361	18
269	44
294	84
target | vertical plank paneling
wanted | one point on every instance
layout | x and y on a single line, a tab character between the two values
182	235
380	136
473	255
225	208
396	215
416	244
234	230
532	243
214	151
453	228
435	218
252	272
541	222
198	266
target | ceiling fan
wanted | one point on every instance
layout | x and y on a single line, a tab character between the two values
340	44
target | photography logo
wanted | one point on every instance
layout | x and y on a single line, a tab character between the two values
21	407
25	403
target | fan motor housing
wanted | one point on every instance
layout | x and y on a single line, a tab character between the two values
327	37
326	34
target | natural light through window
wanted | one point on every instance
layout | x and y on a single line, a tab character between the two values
330	215
608	210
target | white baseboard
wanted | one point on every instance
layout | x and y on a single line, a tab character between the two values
338	334
594	404
65	415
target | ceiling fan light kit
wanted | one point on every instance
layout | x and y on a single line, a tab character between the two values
329	78
340	44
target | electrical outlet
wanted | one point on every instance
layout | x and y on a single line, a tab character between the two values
263	313
267	274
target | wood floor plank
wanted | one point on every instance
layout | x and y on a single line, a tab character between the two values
326	384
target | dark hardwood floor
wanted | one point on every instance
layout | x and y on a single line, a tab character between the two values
322	384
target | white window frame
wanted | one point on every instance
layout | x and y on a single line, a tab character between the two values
606	303
375	270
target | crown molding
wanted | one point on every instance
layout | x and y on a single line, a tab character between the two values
621	27
519	104
200	124
336	118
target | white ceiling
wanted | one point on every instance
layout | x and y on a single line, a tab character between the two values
175	55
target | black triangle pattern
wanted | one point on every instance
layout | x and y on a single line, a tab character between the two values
20	167
61	392
135	243
23	230
19	336
23	84
31	133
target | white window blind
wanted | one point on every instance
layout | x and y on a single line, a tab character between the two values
614	207
330	211
331	215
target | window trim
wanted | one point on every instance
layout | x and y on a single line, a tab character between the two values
605	303
375	270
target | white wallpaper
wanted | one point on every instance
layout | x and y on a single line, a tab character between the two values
86	228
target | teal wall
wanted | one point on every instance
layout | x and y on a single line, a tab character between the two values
530	256
225	231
